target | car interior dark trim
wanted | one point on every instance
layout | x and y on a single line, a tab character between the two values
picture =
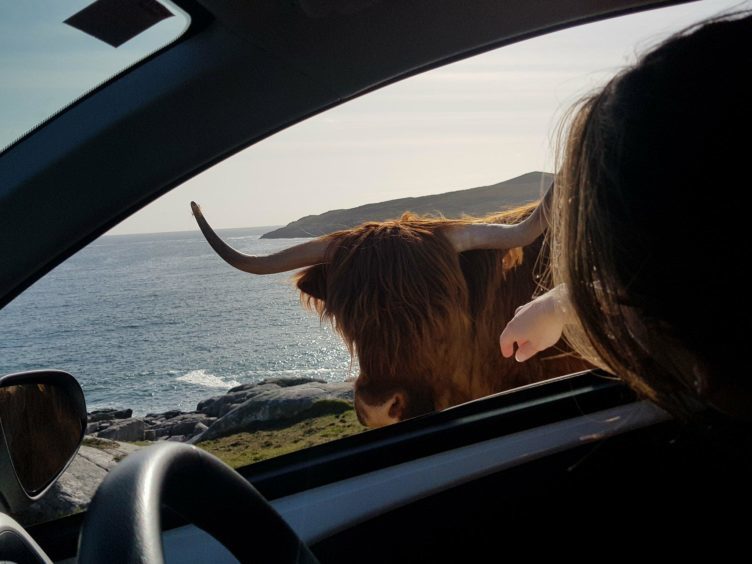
495	416
16	545
491	417
123	525
319	513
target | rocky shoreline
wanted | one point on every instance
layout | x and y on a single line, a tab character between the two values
242	408
246	408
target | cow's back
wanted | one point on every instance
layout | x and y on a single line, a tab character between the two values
498	283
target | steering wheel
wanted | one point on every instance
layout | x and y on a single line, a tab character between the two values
123	521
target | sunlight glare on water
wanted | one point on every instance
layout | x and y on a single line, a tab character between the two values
157	322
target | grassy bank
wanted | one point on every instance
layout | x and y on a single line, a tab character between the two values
326	421
245	448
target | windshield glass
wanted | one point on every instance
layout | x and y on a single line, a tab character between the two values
52	53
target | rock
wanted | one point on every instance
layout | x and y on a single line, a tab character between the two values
287	381
282	382
75	488
244	387
186	424
274	405
127	430
183	424
243	408
108	414
299	394
219	406
184	428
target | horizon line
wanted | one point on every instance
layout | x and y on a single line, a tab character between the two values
196	230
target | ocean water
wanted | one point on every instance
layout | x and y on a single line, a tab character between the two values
159	321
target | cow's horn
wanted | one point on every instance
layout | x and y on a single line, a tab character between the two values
499	236
305	254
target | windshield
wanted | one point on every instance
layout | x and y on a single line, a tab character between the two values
52	53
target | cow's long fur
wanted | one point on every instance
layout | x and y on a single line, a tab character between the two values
424	319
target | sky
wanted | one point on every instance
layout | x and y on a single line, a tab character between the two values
46	64
473	123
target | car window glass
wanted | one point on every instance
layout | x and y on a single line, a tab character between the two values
52	53
171	343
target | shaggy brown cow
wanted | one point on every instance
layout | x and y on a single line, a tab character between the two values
420	305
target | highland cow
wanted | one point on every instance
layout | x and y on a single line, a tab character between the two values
421	302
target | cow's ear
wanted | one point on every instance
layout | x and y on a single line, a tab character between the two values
312	282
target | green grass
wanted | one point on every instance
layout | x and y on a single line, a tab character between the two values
326	421
101	444
313	428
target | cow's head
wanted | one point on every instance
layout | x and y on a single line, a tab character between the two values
396	293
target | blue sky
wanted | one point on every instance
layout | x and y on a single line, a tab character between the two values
473	123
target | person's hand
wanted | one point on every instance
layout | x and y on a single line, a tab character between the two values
536	325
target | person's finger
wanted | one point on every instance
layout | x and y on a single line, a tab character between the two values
525	350
506	341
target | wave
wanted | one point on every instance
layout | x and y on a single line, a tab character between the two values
203	378
311	372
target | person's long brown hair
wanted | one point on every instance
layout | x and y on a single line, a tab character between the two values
646	232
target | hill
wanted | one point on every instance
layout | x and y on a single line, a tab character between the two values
472	201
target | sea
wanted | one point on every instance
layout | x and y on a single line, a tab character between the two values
156	322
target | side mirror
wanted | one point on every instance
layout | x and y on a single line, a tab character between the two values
42	424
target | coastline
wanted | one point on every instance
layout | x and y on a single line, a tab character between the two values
248	423
243	408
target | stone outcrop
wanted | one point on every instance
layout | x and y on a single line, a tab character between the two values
221	405
75	488
271	404
242	408
152	427
130	430
109	414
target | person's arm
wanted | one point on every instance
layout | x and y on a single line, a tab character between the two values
537	325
